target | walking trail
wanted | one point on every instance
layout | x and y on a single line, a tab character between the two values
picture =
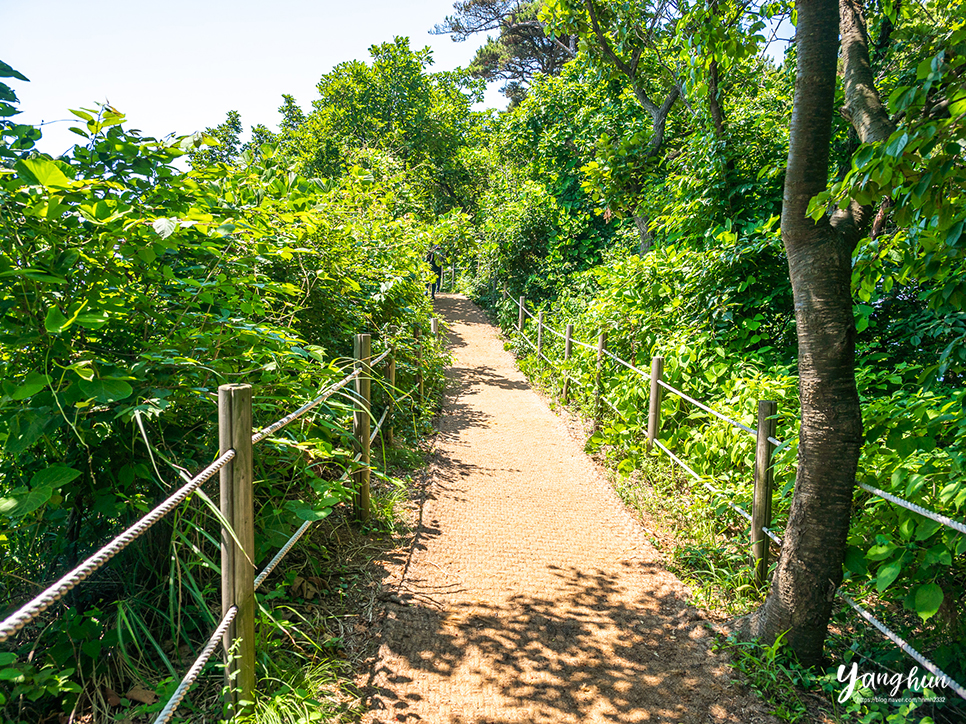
530	594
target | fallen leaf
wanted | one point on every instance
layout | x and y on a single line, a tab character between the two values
112	698
142	695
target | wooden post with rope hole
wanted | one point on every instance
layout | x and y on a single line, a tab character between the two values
238	545
361	416
764	480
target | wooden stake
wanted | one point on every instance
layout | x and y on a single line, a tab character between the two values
523	303
654	410
419	363
237	566
764	480
434	328
391	383
568	347
360	425
598	381
539	337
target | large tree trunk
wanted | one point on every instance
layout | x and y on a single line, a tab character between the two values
819	263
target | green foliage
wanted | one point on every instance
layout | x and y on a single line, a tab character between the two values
131	291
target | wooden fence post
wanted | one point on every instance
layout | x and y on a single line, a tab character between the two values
598	382
539	337
523	302
506	294
360	425
434	328
764	479
391	383
419	363
452	280
237	564
654	410
568	346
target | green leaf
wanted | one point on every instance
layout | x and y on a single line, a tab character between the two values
164	227
54	477
33	384
7	658
897	144
927	527
880	552
929	598
887	574
23	502
46	172
106	390
55	322
7	72
855	561
306	512
955	234
10	674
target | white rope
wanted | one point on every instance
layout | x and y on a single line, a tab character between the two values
925	512
554	331
628	365
773	441
704	407
933	669
53	593
295	538
611	406
165	714
279	424
528	340
584	344
378	426
707	485
772	535
381	357
282	553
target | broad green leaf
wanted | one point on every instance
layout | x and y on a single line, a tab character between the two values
22	502
55	321
46	172
887	574
880	552
306	512
955	234
106	390
929	598
926	528
34	383
54	477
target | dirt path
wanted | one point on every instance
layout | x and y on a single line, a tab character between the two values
530	594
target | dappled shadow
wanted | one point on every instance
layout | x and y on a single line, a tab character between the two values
584	654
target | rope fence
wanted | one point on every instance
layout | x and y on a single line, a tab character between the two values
237	515
56	591
165	715
767	443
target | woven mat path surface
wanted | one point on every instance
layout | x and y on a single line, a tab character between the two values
530	594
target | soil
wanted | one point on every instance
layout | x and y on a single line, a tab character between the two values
528	593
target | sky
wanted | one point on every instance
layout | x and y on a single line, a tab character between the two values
178	66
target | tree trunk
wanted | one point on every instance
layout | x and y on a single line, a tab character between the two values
819	263
642	222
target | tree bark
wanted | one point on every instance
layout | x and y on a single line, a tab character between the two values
819	262
863	108
642	222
